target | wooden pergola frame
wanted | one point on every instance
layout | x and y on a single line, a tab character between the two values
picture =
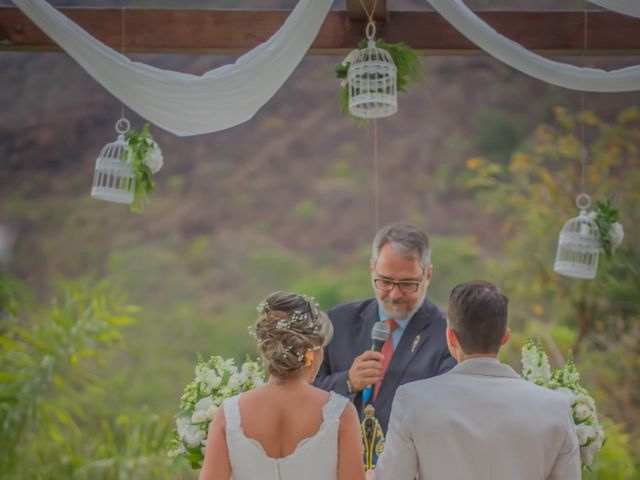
237	31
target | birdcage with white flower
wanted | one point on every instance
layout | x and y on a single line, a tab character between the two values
578	244
124	168
114	179
372	81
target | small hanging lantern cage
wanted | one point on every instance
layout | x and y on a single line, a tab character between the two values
372	81
578	244
114	179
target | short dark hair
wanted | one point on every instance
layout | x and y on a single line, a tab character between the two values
407	239
478	316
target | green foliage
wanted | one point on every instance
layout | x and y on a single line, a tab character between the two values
324	285
121	447
43	377
496	134
606	216
342	169
616	459
456	259
406	59
535	195
306	209
141	145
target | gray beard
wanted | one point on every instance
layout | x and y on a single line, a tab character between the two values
405	316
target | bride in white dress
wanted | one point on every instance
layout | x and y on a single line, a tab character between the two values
286	429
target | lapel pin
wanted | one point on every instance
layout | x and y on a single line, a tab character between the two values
415	343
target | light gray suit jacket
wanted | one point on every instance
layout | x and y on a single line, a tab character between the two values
480	421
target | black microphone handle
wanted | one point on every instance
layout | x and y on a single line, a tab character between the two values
376	346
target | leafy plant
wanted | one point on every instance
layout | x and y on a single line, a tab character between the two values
610	232
143	150
42	375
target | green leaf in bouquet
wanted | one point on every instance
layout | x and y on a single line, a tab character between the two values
178	464
225	378
140	146
605	217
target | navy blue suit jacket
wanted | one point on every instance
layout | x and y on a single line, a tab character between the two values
421	353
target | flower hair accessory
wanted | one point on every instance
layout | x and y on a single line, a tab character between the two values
263	307
308	358
288	351
282	324
299	317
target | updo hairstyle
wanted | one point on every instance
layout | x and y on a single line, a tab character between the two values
288	326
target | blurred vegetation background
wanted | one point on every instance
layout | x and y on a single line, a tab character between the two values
103	312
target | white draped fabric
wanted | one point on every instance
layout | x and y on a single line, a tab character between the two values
626	7
187	104
518	57
181	103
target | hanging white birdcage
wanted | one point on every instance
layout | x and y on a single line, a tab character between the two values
114	179
372	81
578	244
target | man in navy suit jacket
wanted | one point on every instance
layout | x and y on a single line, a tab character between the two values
400	274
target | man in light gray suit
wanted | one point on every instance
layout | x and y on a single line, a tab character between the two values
480	420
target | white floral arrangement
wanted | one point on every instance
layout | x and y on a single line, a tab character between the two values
536	369
610	231
215	380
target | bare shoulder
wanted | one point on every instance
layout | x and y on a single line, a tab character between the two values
349	413
349	423
319	393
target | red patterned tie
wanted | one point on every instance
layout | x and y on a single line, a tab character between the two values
387	351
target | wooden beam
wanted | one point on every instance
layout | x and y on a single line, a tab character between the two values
357	10
236	31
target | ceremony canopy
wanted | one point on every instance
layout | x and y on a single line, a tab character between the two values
186	104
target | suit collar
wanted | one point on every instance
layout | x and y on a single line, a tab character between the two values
484	366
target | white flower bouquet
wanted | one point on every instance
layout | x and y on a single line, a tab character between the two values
215	380
536	369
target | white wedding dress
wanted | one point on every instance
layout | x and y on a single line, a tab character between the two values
315	458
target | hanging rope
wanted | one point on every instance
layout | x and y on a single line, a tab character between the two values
367	13
376	175
376	179
583	149
122	48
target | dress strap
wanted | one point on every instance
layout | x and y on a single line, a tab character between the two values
332	410
232	413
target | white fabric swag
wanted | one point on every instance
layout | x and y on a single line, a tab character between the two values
518	57
181	103
626	7
187	104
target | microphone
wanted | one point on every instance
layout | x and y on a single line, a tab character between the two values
379	334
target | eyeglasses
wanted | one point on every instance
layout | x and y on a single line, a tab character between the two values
405	286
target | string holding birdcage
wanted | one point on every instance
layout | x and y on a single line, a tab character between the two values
114	179
372	80
578	244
